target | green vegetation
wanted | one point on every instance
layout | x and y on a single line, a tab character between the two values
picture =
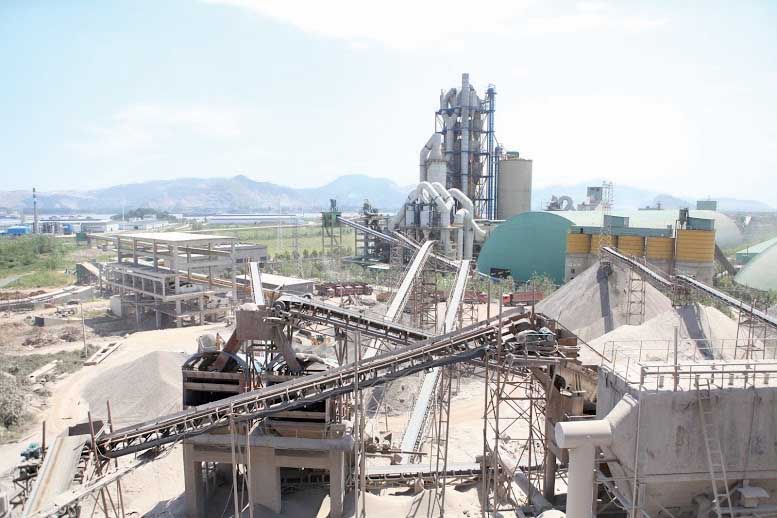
11	407
280	241
43	256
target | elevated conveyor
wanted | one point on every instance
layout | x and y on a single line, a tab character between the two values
462	345
666	285
419	417
397	239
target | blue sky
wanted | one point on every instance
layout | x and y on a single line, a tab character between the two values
673	96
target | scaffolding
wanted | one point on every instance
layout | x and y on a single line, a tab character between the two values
752	333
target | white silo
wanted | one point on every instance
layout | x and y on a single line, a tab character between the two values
514	186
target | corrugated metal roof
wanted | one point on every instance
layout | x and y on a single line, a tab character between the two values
758	248
761	271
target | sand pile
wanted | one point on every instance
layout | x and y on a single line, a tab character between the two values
704	333
594	303
138	391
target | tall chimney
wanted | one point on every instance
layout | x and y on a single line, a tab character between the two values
34	212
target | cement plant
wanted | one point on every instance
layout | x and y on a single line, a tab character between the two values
460	354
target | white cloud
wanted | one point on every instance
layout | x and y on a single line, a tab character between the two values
409	24
145	129
630	140
401	24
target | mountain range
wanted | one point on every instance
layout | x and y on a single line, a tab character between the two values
242	194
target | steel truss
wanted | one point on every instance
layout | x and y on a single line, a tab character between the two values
514	436
460	346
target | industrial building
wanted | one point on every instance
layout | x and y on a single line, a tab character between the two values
253	219
176	277
466	181
744	255
297	396
561	244
626	430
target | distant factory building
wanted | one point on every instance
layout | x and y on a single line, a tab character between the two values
99	227
744	255
143	224
252	219
561	244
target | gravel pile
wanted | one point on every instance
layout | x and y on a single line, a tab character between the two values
138	391
594	303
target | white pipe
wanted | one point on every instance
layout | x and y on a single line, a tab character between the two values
582	438
459	220
446	101
425	192
466	203
431	144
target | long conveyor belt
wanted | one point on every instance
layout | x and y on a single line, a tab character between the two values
397	239
369	325
419	417
665	284
729	300
463	345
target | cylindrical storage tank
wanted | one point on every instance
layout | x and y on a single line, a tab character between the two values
632	245
696	246
514	187
578	243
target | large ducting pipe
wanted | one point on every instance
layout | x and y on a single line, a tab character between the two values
467	204
582	438
431	145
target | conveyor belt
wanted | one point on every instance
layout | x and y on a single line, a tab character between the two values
666	285
462	345
419	417
656	279
404	473
57	472
372	326
729	300
408	280
397	239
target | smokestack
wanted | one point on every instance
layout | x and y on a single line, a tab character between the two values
34	212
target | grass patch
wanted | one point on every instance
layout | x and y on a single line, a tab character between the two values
280	242
22	366
43	279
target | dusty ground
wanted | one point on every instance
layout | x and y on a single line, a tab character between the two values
67	405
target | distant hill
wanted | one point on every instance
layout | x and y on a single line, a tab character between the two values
235	194
242	194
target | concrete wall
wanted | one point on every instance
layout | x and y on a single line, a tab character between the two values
576	264
672	459
703	272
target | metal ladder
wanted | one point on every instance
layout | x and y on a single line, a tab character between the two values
715	462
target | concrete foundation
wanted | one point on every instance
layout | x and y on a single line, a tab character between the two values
268	454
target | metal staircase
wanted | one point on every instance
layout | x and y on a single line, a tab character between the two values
715	462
